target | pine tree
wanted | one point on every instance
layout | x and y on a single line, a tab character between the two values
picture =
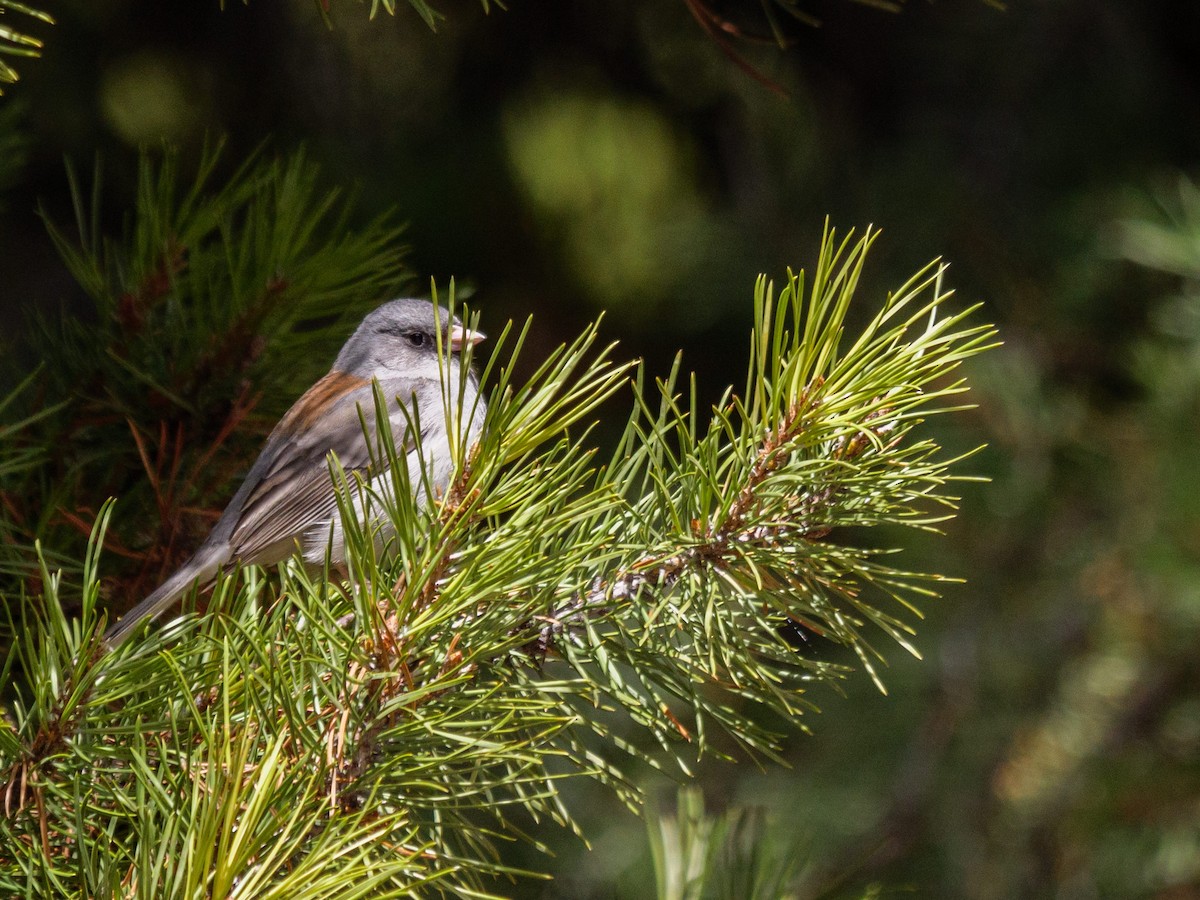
312	736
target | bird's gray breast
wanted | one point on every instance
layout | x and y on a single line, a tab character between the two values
433	425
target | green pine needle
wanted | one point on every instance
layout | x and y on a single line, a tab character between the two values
555	614
16	42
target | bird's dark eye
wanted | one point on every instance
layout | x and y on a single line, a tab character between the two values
416	339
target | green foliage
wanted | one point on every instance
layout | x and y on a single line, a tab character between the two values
18	459
220	291
382	731
16	42
427	11
267	252
739	854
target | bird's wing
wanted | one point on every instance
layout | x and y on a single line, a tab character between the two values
288	490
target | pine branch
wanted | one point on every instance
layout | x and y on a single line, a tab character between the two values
383	726
16	42
221	291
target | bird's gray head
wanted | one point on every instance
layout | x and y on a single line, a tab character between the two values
399	338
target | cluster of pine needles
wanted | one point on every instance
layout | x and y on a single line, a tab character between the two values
559	612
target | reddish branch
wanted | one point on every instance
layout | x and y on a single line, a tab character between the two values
717	27
133	305
722	542
22	780
242	343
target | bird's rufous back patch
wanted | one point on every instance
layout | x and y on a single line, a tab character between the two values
317	399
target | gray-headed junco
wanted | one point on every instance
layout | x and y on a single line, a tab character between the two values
288	498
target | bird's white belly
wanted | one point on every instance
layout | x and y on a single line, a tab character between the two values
377	511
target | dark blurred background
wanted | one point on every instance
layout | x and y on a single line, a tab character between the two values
564	157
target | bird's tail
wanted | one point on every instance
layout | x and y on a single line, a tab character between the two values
200	570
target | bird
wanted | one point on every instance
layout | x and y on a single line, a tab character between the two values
288	500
